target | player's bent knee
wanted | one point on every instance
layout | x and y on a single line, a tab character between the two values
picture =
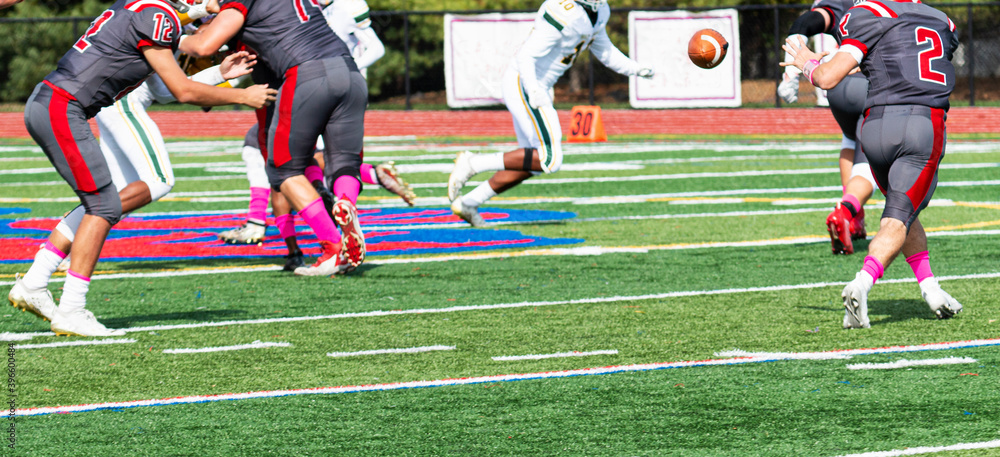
105	203
159	189
863	170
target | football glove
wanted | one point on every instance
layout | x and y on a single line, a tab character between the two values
788	88
538	98
646	72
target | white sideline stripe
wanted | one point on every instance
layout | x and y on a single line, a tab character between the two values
392	351
420	384
853	352
903	363
783	355
75	343
452	309
556	355
238	347
577	251
929	449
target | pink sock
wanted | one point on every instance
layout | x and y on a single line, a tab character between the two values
921	265
321	221
853	201
258	204
368	175
314	173
286	225
873	267
347	187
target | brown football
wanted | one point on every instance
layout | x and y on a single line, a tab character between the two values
707	48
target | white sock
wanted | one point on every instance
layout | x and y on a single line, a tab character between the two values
479	195
74	295
487	162
46	262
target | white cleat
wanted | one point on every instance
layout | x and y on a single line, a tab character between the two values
941	303
38	302
333	261
249	233
389	178
469	214
80	323
855	297
460	174
352	240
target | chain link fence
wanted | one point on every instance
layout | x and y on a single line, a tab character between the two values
412	71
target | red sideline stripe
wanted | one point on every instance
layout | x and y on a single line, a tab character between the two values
918	192
226	122
282	133
64	136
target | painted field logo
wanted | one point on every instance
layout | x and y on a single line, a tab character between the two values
388	232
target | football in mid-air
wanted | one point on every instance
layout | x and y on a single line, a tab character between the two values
707	48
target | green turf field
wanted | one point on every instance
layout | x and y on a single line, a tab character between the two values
678	251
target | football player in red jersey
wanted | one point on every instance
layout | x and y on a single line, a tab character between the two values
126	43
905	50
323	91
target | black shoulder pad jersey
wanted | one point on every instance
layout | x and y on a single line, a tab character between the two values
904	49
836	9
286	33
106	63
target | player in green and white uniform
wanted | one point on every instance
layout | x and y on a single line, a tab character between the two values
562	30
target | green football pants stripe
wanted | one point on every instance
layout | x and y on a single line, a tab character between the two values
147	144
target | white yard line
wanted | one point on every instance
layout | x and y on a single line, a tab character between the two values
74	343
506	358
580	301
929	449
391	351
903	363
238	347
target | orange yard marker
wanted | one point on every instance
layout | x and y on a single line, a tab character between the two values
585	125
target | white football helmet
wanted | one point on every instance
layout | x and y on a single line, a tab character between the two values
592	5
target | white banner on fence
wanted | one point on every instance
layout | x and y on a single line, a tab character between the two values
477	50
661	39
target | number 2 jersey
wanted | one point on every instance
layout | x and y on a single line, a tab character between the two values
904	49
286	33
107	61
561	32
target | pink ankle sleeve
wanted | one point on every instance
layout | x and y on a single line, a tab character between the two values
320	221
53	249
873	267
347	187
368	175
853	201
77	275
258	204
314	173
286	225
921	265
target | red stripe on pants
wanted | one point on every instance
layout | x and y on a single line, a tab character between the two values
262	131
282	133
918	192
64	137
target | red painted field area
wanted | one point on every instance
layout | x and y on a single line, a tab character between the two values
229	123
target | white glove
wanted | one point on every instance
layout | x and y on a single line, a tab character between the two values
788	88
538	98
646	72
198	10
